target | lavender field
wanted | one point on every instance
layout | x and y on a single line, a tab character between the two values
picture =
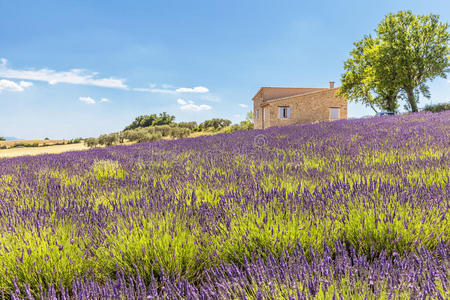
345	209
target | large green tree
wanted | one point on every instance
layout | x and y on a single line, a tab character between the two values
406	53
370	77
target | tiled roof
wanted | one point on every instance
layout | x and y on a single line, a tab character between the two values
277	93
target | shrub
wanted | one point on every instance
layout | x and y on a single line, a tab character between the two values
91	142
244	125
131	135
189	125
108	139
151	137
143	134
74	141
18	145
163	129
135	135
177	132
214	124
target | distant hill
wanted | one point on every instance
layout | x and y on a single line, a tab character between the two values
11	138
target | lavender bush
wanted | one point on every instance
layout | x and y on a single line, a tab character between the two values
347	209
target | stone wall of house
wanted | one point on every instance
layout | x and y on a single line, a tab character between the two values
257	112
308	108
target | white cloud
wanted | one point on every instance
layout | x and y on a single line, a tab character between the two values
3	62
8	85
191	106
243	105
197	89
168	89
155	90
25	84
88	100
73	76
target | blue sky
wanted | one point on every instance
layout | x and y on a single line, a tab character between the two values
82	68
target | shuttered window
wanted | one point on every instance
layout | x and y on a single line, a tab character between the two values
334	113
285	112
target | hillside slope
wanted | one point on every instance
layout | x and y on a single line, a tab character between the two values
352	209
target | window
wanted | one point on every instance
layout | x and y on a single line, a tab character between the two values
256	113
334	113
285	112
264	113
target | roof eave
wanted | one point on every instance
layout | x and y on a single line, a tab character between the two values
258	93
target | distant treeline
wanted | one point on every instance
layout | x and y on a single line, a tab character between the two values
155	127
437	107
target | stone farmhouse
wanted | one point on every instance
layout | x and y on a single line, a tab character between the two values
279	106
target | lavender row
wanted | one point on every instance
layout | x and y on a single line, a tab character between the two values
343	275
184	208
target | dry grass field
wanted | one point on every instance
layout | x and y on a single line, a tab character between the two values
52	147
11	152
10	144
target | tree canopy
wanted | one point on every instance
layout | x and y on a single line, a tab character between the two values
151	120
406	53
216	123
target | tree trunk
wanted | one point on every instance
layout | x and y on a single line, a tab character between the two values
412	100
390	103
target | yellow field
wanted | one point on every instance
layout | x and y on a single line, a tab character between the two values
54	149
41	150
10	144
